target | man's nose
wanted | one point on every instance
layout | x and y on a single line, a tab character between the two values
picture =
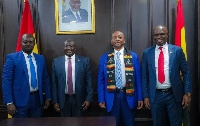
28	43
68	47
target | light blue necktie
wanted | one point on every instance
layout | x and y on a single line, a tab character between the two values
78	17
33	74
118	73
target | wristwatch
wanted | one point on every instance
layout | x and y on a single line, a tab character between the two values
188	94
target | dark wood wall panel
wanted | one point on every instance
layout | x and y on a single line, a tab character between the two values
135	18
11	25
159	12
121	16
198	6
197	39
172	20
140	26
1	47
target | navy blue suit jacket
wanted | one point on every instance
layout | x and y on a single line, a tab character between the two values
68	16
108	98
83	80
15	81
177	63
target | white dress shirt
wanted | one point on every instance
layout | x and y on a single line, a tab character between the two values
29	71
75	13
73	72
122	65
166	83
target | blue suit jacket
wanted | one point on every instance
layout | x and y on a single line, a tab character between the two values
68	16
108	98
15	81
83	80
177	63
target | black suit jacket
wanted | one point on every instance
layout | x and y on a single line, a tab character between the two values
83	80
68	16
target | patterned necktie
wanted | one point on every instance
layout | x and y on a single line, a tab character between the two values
161	74
69	77
118	72
33	74
78	17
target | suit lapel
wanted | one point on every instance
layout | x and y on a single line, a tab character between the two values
38	64
77	65
62	65
152	58
23	62
171	57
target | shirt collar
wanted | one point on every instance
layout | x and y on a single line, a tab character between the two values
74	11
164	46
72	57
26	55
121	51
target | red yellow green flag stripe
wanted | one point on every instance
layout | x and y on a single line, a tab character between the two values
180	29
26	26
180	35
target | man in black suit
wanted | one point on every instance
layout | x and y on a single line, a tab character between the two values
75	14
72	89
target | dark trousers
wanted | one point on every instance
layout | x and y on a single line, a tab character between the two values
32	109
165	106
123	114
71	108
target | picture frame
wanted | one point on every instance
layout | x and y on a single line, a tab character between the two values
75	16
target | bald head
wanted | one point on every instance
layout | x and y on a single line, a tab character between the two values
27	43
160	27
118	40
160	35
69	47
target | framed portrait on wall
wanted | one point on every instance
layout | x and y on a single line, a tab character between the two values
75	16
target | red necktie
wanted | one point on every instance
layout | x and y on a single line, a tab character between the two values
69	77
161	74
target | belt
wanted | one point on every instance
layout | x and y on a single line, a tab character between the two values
70	95
121	89
164	90
34	92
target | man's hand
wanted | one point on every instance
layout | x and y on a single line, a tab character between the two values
146	103
85	105
102	105
11	109
186	101
140	104
47	104
56	107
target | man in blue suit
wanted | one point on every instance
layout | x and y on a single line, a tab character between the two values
72	89
119	82
22	98
163	89
75	13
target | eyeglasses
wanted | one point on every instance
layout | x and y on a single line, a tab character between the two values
76	2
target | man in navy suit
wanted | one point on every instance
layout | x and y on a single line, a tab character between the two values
75	13
22	99
72	89
163	89
119	82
